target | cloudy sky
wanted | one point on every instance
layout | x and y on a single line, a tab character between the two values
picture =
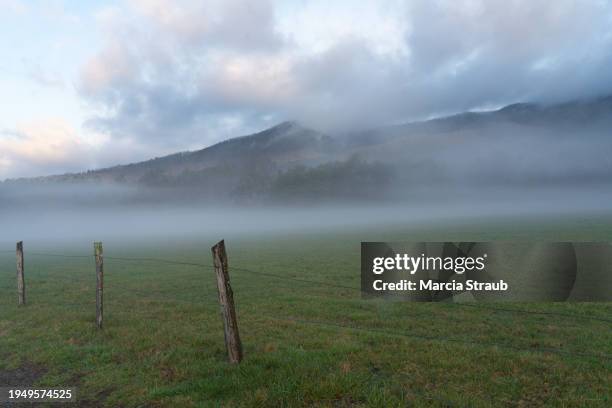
91	83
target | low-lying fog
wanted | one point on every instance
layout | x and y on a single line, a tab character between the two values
522	161
89	215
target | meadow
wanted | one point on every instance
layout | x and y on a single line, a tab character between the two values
309	338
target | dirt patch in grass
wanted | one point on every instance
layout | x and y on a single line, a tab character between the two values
29	373
98	401
23	376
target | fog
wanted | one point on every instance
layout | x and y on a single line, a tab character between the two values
91	217
521	161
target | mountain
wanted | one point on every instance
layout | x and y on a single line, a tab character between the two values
284	145
524	144
238	169
520	144
583	115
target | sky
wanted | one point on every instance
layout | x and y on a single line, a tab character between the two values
87	84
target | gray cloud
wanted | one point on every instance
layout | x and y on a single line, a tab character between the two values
179	73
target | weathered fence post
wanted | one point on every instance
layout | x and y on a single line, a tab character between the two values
20	279
99	253
226	301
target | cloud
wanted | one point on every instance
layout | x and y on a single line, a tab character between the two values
470	53
40	147
47	146
176	73
241	25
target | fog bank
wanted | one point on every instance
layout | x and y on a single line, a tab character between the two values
86	223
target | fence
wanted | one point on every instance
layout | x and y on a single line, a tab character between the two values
225	300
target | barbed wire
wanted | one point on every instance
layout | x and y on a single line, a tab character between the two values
160	260
328	284
209	300
442	338
313	282
537	312
129	259
157	296
53	255
459	304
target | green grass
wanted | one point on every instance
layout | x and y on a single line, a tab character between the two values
305	344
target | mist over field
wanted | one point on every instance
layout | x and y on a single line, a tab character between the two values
91	217
520	161
447	131
168	118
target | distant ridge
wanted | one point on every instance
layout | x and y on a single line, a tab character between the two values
252	163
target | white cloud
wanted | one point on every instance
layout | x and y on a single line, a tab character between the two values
114	66
39	145
316	26
245	25
176	74
51	145
45	146
170	69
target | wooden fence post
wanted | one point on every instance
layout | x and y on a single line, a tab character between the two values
226	301
99	254
20	278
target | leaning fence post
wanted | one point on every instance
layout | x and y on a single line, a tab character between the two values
226	301
99	254
20	279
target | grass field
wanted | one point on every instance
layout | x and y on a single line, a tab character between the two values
305	344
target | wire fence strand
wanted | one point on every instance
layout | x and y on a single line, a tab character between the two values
272	275
318	283
532	312
53	255
159	260
443	339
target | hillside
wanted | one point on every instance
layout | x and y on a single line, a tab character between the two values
284	144
518	145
